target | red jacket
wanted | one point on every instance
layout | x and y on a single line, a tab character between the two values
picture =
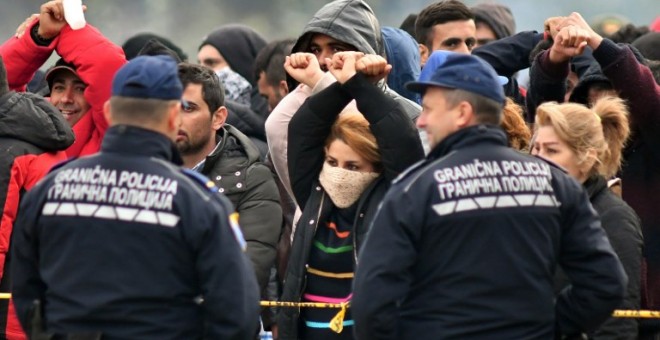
33	137
96	59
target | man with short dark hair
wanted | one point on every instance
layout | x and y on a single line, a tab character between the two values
124	244
445	25
228	157
270	73
450	25
466	243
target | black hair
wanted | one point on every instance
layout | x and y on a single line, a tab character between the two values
154	47
439	13
212	90
408	24
270	60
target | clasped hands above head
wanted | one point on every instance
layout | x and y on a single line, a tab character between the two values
571	35
305	67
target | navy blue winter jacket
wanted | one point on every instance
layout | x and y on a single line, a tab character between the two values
466	243
127	244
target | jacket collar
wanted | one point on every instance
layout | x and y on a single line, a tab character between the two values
231	142
133	140
595	185
473	135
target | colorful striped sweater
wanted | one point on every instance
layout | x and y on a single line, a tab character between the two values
330	276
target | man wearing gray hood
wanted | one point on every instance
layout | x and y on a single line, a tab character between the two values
342	25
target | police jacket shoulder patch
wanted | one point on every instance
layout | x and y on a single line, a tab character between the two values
201	180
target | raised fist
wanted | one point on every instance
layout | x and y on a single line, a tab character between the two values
374	67
303	67
343	65
569	42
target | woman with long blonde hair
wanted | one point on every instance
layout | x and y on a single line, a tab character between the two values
588	143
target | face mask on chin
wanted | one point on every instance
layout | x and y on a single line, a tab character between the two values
344	186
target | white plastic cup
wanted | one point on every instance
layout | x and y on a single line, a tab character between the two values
73	13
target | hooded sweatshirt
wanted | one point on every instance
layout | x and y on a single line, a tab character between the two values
352	22
498	17
402	52
33	135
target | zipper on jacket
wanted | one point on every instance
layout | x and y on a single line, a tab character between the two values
358	216
316	226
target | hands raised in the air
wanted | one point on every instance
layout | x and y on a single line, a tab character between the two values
345	65
569	42
303	67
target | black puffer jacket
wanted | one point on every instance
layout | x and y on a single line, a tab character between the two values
624	231
235	168
399	147
33	137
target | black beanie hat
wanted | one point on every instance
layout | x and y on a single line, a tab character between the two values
136	43
239	45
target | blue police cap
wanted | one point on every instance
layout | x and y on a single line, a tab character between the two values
460	71
148	77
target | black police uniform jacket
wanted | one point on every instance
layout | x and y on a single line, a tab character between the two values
466	243
127	244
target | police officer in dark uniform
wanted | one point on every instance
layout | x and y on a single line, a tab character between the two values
466	243
126	245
